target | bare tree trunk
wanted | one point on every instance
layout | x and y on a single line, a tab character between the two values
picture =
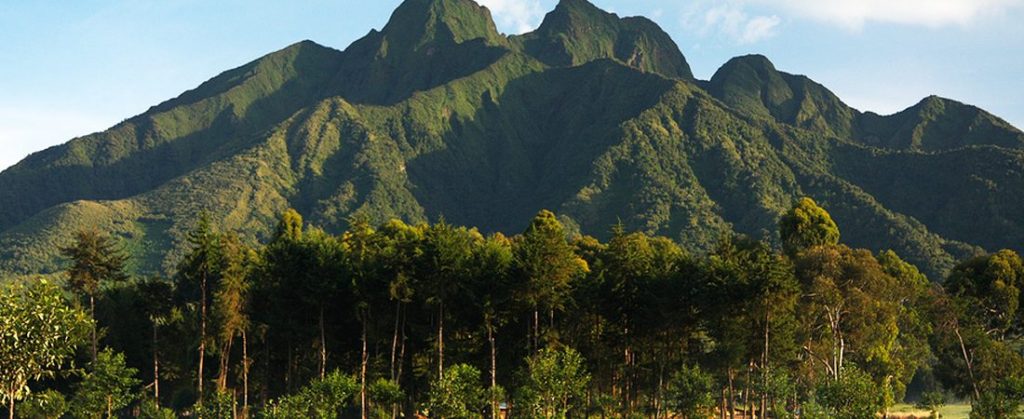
440	340
92	314
764	358
494	369
967	360
10	405
156	367
245	375
362	373
323	345
202	336
722	406
536	330
394	337
732	395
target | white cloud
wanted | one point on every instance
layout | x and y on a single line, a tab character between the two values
853	14
517	16
732	21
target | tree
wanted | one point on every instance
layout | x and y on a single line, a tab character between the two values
991	286
157	295
492	295
457	393
39	331
547	265
108	387
557	382
691	393
95	259
931	401
323	399
807	225
196	272
49	404
853	396
230	302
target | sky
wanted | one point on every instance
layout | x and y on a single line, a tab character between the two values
76	67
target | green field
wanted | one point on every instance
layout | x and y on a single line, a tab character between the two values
953	411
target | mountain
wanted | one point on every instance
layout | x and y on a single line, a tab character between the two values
596	117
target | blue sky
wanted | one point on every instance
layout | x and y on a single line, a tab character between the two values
75	67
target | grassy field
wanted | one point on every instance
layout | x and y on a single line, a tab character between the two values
953	411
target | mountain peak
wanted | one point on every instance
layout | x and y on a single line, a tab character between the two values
416	23
577	32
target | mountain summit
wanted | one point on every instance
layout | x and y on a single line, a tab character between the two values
577	32
594	116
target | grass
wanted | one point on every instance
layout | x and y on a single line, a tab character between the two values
952	411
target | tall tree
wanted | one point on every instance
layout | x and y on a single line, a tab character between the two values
230	301
547	266
157	293
95	259
491	293
196	272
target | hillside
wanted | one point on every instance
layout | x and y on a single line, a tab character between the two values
593	116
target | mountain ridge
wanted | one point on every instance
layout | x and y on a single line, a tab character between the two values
594	116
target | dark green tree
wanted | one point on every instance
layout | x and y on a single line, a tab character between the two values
95	260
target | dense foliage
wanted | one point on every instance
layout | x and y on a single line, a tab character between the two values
592	115
442	320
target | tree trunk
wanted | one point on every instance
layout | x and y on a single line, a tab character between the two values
245	375
92	314
362	373
10	406
156	367
732	395
394	337
323	345
536	329
440	340
494	369
967	360
764	359
202	336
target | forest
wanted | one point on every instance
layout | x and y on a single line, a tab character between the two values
442	321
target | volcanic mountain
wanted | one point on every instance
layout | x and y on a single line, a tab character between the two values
594	116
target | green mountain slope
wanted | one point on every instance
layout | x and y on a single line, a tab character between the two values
594	116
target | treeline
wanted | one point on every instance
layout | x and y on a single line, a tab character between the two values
398	320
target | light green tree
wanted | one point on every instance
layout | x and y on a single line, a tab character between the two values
321	399
458	393
39	331
807	225
557	382
691	393
109	386
49	404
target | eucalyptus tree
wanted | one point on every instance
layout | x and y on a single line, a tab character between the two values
492	295
443	269
196	272
95	259
547	266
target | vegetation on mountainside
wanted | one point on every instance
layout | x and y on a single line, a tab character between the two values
440	319
593	115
